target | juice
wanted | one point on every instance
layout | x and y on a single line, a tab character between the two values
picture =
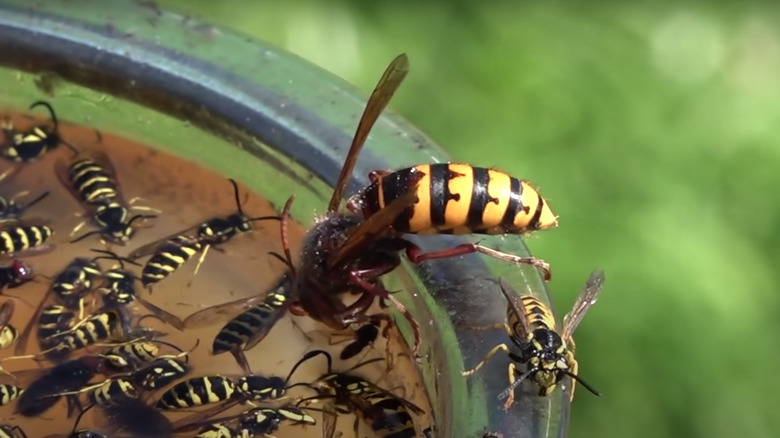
187	195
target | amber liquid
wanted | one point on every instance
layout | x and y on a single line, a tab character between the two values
187	194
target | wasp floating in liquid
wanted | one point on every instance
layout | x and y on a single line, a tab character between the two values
169	253
549	355
68	376
386	414
255	422
25	239
29	146
93	182
11	210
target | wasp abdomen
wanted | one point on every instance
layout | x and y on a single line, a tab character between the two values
459	199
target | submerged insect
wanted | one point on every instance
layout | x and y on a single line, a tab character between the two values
386	414
25	239
29	146
8	333
93	182
68	376
11	431
549	354
197	391
169	253
11	210
255	422
15	274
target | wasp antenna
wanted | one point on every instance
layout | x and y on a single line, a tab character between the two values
235	193
84	236
78	419
45	104
282	259
71	147
505	393
308	356
583	383
284	218
37	200
265	218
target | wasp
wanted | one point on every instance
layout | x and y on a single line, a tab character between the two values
9	393
197	391
137	353
349	251
29	146
106	325
160	372
27	239
93	182
255	422
256	316
69	286
11	210
15	274
43	393
8	334
169	253
11	431
548	353
386	414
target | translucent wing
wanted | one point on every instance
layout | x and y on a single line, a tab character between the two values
585	300
371	229
385	88
329	416
512	298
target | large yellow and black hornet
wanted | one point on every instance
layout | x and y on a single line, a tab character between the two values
169	253
25	147
93	183
548	354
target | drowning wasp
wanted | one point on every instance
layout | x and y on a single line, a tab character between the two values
549	354
169	253
11	431
349	251
386	414
93	182
29	146
25	238
261	421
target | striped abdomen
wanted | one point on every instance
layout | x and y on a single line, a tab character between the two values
9	393
197	391
459	199
387	415
536	313
8	335
113	391
131	355
23	237
168	258
92	181
99	327
247	329
54	320
160	373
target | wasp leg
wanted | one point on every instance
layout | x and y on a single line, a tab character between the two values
200	262
490	354
512	370
416	255
77	228
142	207
357	278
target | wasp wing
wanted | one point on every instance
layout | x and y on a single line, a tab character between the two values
371	229
329	416
516	308
384	90
585	300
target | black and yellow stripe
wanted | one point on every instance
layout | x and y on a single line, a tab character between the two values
23	237
169	257
75	280
387	415
459	199
160	372
265	421
131	354
9	393
93	183
113	391
103	326
250	327
11	431
54	319
8	335
197	391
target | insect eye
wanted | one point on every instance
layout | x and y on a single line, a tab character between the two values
22	269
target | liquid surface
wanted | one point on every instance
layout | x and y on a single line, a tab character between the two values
187	194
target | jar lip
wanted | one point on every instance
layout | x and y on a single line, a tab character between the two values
311	121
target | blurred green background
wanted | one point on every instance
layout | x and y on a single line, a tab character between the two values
651	128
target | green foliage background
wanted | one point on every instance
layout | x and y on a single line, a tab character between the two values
651	128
